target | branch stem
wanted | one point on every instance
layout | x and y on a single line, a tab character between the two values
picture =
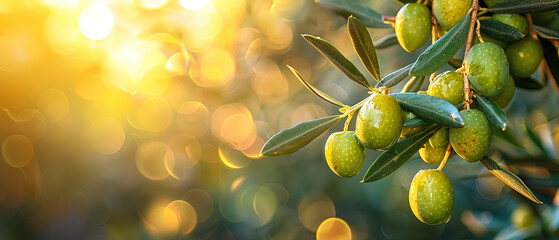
473	19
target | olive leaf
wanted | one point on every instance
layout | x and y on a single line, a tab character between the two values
394	157
395	77
535	139
417	122
509	179
314	90
346	8
523	6
494	113
386	41
551	58
546	32
430	108
294	138
338	59
507	136
414	84
528	83
364	46
438	54
499	30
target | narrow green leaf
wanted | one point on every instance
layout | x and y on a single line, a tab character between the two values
528	83
417	122
294	138
346	8
436	55
523	6
535	139
314	90
394	157
386	41
507	136
363	45
499	30
430	108
338	59
509	179
551	58
414	84
494	113
455	62
395	77
546	32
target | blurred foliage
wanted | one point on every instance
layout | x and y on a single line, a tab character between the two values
124	120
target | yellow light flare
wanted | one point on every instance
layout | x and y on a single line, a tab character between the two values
54	104
194	4
151	4
313	209
202	202
217	69
233	123
153	115
333	229
265	204
145	56
17	150
106	135
232	158
153	81
151	158
96	21
237	183
12	54
61	31
186	214
193	118
289	10
16	90
187	151
67	5
160	221
178	64
269	82
90	86
30	123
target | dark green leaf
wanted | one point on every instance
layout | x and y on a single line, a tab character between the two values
455	62
430	108
314	90
294	138
338	59
535	139
417	122
394	157
494	113
528	83
405	1
546	32
436	55
509	179
499	30
414	84
363	46
507	136
395	77
368	16
386	41
523	6
551	58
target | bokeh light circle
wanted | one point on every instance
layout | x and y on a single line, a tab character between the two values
106	135
96	21
151	158
186	216
333	229
17	150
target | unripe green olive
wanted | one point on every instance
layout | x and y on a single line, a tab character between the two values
413	26
543	18
448	86
344	154
505	97
432	155
431	197
440	138
523	217
472	141
449	12
408	131
514	20
524	56
490	3
487	68
379	122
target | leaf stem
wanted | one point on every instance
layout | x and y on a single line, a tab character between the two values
473	19
355	107
435	37
445	159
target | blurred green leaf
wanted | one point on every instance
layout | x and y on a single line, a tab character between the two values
523	6
364	46
430	108
509	179
455	62
535	139
414	84
508	136
314	90
386	41
528	83
394	157
417	122
494	113
551	58
338	59
395	77
499	30
438	54
368	16
546	32
294	138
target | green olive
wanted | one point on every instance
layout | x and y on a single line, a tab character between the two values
431	197
487	68
449	12
472	141
514	20
344	154
413	26
379	122
524	56
448	86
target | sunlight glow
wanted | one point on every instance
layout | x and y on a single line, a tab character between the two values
96	21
